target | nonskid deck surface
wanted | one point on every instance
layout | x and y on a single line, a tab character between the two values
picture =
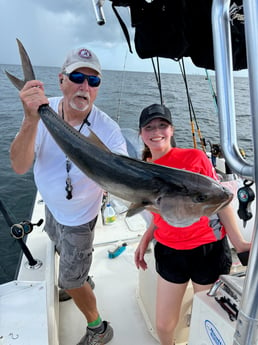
115	289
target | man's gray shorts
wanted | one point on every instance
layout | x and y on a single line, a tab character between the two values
75	246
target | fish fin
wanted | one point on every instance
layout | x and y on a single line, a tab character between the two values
94	139
136	208
26	67
26	63
18	83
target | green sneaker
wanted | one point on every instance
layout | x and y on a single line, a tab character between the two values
91	338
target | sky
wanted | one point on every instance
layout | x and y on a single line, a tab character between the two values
48	29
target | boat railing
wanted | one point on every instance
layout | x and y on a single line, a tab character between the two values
99	13
225	89
247	323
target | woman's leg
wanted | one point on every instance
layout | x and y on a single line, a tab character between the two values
168	304
199	288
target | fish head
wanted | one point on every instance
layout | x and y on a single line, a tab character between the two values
181	209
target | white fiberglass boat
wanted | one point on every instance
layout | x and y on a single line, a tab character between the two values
30	312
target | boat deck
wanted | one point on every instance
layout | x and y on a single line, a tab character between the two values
115	287
117	301
125	296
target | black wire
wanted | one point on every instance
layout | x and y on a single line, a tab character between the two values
158	78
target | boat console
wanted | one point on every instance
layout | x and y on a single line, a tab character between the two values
214	314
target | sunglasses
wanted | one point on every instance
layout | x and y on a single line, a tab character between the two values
79	78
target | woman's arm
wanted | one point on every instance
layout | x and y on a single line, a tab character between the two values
228	219
142	247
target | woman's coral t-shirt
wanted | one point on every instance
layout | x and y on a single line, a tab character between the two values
206	230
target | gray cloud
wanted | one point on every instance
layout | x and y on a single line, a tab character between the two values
54	26
49	29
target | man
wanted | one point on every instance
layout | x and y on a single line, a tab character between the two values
72	200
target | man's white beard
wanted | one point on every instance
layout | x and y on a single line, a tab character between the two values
75	107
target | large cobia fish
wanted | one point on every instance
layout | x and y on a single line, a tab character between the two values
180	196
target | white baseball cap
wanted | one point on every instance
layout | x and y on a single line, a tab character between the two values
81	57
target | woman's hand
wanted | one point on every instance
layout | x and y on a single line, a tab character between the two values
142	247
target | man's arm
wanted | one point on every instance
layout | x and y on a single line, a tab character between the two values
22	148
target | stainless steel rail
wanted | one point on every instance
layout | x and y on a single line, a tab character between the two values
99	13
247	323
225	89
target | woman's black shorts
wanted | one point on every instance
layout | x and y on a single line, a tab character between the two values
202	265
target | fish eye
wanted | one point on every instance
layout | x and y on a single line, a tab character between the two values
200	198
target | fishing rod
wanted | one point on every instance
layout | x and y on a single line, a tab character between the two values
191	110
19	231
121	90
213	93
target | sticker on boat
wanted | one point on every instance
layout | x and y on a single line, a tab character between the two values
213	333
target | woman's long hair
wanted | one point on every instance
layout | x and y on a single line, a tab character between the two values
146	153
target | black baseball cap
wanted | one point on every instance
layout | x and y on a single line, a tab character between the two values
154	111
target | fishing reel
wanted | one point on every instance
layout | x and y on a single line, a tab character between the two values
216	152
245	196
18	231
23	228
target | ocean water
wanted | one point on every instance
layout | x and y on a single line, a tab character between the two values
122	95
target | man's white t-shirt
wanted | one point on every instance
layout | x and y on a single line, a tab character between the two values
50	170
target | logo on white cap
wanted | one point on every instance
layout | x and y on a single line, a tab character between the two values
84	54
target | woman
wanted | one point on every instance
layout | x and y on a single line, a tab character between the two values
199	252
